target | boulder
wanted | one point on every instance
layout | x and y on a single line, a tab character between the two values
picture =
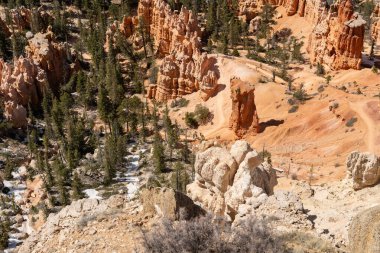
363	169
229	181
287	208
170	204
364	231
243	119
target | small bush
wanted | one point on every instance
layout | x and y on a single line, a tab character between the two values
375	70
320	70
235	53
265	154
291	101
351	122
205	235
182	102
190	120
293	109
321	88
202	114
300	94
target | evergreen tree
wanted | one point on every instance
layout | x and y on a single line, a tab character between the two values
267	21
76	188
4	232
103	103
180	178
158	148
5	45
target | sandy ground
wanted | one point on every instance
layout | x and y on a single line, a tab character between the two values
313	137
314	140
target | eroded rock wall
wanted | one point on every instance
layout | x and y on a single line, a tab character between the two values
337	39
184	69
47	64
375	28
311	10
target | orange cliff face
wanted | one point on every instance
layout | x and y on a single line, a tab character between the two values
47	64
185	69
375	31
338	34
243	119
176	36
337	40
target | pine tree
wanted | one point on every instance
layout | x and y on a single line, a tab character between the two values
9	167
158	148
103	103
5	45
76	188
4	233
158	154
267	21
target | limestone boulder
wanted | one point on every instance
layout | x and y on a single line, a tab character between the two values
216	167
170	204
229	182
363	169
364	231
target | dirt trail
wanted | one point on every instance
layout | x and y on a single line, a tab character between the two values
369	112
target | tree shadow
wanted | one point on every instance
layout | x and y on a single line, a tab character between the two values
272	122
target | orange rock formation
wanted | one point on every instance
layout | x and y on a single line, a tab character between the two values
375	30
337	40
184	69
48	63
243	119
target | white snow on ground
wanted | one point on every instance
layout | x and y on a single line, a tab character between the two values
131	175
17	188
92	194
25	227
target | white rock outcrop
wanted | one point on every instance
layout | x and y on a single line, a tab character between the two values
363	169
229	182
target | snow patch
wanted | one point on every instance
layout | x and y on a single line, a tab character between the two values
92	194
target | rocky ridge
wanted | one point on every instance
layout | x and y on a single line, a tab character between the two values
308	9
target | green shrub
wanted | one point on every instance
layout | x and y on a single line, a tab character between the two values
300	94
351	122
182	102
190	120
293	109
320	70
202	114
